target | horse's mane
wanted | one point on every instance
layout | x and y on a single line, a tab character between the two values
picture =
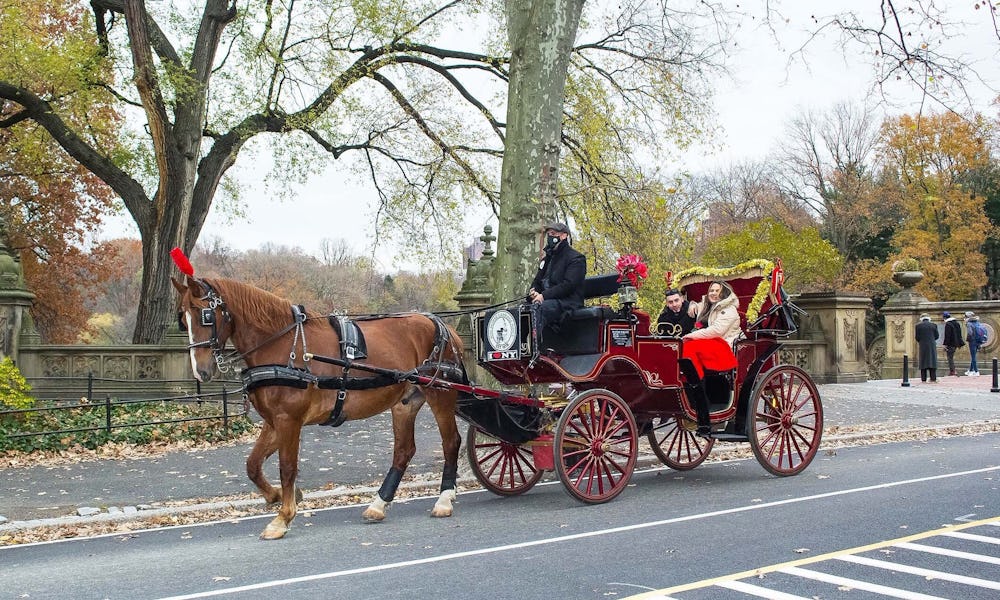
261	308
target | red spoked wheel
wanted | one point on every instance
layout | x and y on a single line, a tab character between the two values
503	468
674	442
595	446
785	422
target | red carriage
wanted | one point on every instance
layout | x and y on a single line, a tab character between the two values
607	376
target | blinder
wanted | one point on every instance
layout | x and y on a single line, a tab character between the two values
207	317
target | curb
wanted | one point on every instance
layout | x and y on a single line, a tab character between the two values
644	460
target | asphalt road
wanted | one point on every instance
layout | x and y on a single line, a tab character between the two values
668	529
358	453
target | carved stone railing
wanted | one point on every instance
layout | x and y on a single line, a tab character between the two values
830	343
141	370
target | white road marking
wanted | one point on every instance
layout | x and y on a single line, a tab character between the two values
760	592
858	584
577	536
952	553
973	537
927	573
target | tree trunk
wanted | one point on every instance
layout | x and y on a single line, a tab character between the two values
541	35
177	146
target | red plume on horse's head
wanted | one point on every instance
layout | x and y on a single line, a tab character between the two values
182	262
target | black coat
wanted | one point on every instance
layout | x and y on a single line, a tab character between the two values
953	333
927	335
676	324
561	276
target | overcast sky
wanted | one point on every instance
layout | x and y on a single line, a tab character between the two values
753	108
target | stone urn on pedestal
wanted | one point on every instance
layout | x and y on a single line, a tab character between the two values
907	274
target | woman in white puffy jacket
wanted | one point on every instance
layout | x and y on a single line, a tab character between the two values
710	344
717	315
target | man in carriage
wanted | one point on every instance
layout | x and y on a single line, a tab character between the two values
558	285
675	320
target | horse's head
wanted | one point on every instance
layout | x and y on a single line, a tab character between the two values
203	314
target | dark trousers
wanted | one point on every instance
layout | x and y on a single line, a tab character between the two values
924	372
950	351
549	311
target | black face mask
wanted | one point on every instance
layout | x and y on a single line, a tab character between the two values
551	242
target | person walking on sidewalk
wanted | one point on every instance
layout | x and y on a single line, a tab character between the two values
927	335
975	334
952	339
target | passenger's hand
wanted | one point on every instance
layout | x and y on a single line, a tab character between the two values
535	297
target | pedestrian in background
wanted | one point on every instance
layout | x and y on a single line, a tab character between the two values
975	334
927	335
952	339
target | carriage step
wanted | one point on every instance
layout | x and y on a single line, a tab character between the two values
730	437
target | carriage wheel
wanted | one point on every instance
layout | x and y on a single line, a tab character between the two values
785	423
501	467
595	446
674	442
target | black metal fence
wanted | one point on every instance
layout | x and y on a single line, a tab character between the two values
56	394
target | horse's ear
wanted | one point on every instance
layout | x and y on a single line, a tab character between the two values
181	288
197	287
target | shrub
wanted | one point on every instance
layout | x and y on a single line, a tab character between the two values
138	423
905	264
14	387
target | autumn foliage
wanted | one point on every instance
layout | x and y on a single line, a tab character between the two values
946	226
51	204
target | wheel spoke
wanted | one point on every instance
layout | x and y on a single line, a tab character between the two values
492	460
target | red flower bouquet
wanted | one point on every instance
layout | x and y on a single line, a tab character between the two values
631	267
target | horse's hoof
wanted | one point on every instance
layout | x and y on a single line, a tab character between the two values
372	515
274	531
445	504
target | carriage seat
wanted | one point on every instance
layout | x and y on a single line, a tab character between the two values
579	331
597	286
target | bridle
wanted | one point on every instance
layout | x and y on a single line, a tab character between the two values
207	319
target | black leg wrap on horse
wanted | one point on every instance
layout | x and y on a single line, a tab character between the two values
449	478
389	485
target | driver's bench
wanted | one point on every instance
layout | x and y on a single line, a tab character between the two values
580	331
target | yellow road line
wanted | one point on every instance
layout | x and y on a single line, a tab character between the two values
666	592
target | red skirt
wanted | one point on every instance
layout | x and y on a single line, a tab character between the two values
713	353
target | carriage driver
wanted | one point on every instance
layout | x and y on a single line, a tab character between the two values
558	286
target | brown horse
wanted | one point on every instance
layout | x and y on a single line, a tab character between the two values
276	340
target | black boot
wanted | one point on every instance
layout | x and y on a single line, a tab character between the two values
697	396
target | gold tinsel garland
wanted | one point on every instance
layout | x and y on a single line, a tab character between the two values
757	267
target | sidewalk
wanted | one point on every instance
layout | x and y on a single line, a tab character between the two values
358	453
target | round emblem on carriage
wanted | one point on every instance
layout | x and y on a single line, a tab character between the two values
501	330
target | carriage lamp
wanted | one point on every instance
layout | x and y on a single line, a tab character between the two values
628	295
631	274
